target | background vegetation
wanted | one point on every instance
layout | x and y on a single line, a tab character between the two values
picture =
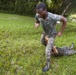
27	6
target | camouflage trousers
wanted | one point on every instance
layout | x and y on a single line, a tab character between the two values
66	50
48	49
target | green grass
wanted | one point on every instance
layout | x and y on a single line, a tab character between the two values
21	52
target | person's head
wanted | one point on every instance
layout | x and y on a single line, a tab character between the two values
41	9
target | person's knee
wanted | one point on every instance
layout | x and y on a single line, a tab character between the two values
51	41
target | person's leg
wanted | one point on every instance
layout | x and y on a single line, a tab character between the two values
69	52
68	47
43	39
54	50
48	53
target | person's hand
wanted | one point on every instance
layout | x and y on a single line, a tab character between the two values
59	33
36	25
46	39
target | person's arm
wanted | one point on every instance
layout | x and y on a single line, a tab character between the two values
64	21
37	24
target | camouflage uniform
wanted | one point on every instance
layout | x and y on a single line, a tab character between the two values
65	50
49	27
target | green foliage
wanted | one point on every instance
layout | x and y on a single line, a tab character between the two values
18	6
72	9
27	6
21	52
23	7
57	6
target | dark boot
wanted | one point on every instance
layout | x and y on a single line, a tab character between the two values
46	68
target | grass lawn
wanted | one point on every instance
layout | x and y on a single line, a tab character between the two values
21	52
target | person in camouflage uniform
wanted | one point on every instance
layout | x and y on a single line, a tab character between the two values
48	22
65	50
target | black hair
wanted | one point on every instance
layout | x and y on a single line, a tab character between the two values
41	5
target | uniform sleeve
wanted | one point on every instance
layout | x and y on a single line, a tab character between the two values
36	17
57	17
